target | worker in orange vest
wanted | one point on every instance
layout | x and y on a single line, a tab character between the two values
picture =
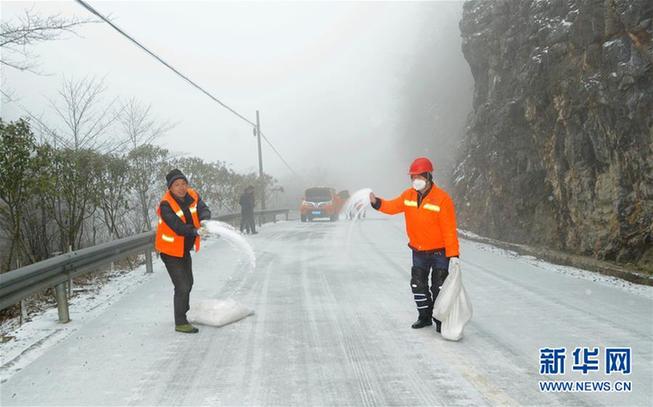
181	215
431	228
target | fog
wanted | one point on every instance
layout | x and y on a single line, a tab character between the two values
348	93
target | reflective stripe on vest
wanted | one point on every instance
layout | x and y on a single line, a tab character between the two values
167	238
432	207
410	203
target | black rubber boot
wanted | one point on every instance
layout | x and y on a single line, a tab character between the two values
421	323
419	284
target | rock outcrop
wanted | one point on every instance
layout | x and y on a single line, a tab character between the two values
558	151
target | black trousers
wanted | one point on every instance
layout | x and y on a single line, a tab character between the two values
437	265
247	222
180	270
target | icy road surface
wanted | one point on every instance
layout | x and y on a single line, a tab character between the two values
332	327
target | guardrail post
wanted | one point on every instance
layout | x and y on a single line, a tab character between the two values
70	279
62	302
23	312
148	261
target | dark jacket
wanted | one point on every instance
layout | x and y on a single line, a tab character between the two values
184	229
247	202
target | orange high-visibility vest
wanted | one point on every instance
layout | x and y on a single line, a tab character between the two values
169	242
432	224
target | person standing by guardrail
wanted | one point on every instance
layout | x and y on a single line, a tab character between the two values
247	204
432	234
181	214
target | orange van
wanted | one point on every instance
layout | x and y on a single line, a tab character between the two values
320	202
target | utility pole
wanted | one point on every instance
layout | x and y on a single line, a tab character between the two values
260	160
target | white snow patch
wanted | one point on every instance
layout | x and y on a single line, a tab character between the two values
609	281
34	338
609	43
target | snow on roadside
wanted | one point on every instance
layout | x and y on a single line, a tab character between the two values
43	331
610	281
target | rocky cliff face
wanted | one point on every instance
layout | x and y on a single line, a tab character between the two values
559	147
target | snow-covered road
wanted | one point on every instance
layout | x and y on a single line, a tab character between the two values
332	327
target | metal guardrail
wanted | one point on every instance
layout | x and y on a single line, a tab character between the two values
261	216
57	271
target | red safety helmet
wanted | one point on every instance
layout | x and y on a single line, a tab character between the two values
420	165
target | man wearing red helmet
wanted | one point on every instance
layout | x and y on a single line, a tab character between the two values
431	228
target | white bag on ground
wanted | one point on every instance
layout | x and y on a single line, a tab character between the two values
217	312
453	307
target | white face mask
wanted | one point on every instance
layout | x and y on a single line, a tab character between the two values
419	184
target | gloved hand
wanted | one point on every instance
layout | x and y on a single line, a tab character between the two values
202	231
454	264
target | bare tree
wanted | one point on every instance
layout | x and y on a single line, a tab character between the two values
84	133
146	161
86	117
16	37
139	126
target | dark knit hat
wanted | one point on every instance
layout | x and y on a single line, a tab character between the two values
173	176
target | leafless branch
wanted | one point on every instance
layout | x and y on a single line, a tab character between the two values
17	36
86	118
139	126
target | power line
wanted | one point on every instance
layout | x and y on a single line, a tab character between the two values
173	69
186	78
279	155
